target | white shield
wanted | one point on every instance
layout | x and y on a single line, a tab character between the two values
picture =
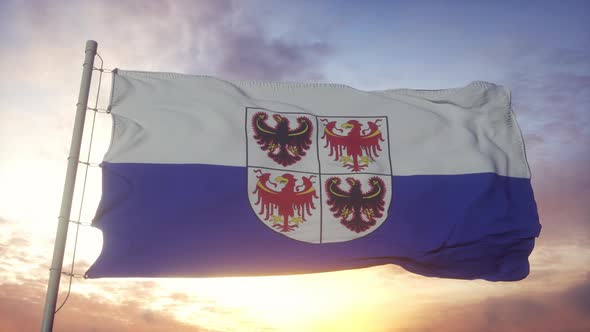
318	179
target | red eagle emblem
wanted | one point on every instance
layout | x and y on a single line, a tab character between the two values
284	145
357	149
357	210
289	206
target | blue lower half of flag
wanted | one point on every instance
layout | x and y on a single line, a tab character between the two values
190	220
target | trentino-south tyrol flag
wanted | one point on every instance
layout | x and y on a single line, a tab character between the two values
206	177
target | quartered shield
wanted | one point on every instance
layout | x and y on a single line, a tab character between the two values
318	179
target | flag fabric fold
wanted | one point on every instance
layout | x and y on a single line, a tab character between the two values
207	177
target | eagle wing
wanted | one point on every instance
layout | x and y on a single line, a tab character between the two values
265	135
268	198
336	143
303	200
370	143
339	200
300	137
373	202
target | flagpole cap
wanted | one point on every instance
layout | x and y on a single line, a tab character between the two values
91	46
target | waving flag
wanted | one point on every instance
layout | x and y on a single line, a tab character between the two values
207	177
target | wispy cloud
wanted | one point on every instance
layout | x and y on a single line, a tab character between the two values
213	37
252	57
524	311
579	297
21	307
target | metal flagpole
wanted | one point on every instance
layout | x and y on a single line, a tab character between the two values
68	193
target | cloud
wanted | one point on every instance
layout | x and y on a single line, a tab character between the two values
579	297
552	95
251	56
562	188
568	56
21	307
18	241
499	312
221	38
523	311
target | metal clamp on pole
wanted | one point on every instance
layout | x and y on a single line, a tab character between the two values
68	193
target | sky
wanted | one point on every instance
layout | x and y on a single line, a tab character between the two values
538	49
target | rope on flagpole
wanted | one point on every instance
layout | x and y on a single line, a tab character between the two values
81	224
100	110
88	164
102	70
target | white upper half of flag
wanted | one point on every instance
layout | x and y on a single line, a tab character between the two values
168	118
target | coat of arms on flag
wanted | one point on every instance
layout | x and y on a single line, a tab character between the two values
318	179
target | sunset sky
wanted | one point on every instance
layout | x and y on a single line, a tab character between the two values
538	49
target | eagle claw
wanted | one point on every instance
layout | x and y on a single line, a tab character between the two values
285	228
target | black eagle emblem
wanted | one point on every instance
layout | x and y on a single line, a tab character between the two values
284	145
357	210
